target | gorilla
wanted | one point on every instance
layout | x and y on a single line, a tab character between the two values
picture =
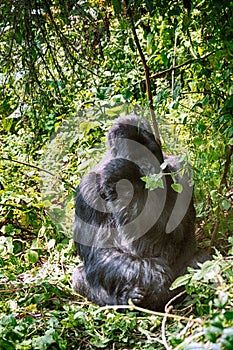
133	241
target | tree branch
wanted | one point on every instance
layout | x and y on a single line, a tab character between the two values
226	166
164	72
40	169
222	182
147	74
173	68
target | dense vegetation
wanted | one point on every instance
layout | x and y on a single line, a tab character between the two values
68	69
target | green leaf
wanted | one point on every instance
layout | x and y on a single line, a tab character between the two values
212	333
177	187
229	102
43	342
222	300
117	6
127	94
87	126
47	203
208	271
205	101
103	93
225	204
180	281
114	111
153	181
32	256
228	315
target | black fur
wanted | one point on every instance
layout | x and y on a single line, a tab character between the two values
133	242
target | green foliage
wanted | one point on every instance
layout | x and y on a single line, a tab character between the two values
211	288
67	71
39	309
153	181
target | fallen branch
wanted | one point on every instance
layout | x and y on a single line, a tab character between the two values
150	312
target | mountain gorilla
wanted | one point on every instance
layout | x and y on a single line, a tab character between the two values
133	242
